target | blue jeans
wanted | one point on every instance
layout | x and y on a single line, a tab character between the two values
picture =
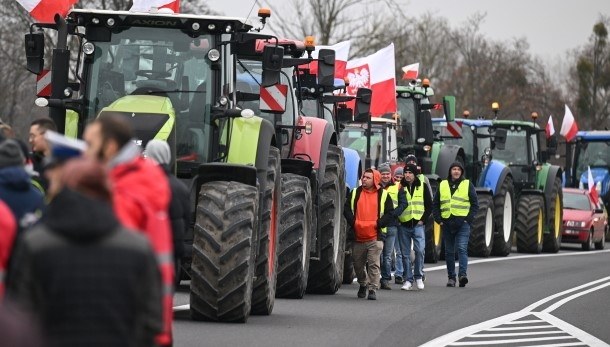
400	260
456	237
386	256
416	235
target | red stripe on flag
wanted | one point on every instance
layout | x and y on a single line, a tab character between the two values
174	6
45	11
571	134
383	99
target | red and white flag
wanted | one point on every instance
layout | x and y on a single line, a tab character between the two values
341	54
568	126
550	128
44	10
411	71
377	73
146	5
592	190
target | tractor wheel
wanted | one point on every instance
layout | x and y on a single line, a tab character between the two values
348	265
295	234
602	243
222	268
504	207
588	245
552	240
481	235
326	273
263	288
529	222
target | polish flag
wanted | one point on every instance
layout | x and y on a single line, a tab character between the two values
592	190
44	10
146	5
568	126
550	128
341	54
377	73
411	71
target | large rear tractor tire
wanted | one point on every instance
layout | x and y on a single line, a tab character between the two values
263	291
295	234
552	239
222	268
481	236
504	214
348	265
529	223
326	273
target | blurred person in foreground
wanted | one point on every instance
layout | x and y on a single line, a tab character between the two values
140	196
88	280
40	146
8	231
368	211
179	207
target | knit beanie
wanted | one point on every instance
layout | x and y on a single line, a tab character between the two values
158	151
10	154
411	158
399	171
384	168
411	168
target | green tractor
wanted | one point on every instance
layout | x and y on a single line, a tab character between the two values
173	76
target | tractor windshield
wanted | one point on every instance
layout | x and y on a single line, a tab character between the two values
591	154
354	137
406	129
467	139
515	151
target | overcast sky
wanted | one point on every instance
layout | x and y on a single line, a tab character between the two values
552	27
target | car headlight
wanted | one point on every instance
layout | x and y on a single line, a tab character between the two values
575	224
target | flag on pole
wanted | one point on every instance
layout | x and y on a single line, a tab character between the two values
44	10
411	71
377	73
568	126
146	5
341	54
592	190
550	128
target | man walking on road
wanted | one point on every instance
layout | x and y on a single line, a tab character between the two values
412	225
368	211
455	205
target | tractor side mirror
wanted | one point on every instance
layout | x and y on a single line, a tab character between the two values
344	114
552	145
425	131
326	69
363	105
272	65
449	107
34	52
500	138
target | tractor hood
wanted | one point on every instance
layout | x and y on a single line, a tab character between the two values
600	174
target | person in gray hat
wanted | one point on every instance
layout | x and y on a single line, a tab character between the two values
16	188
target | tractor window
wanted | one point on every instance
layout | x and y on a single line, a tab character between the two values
354	137
406	128
594	154
534	147
515	150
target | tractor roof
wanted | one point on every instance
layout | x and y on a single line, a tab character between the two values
593	135
406	91
521	123
469	122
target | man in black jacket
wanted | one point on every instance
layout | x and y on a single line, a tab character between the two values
88	280
455	206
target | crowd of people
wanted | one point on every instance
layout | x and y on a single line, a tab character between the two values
91	232
388	213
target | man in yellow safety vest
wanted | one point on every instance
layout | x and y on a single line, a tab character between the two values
455	205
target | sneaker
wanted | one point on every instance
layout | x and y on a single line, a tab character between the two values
398	280
451	282
372	295
407	286
362	292
423	277
463	281
420	284
385	285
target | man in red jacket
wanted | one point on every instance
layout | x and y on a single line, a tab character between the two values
8	230
141	196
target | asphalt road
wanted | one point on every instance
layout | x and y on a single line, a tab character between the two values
515	301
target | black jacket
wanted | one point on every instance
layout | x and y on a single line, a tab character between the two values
179	211
427	200
385	220
453	221
89	281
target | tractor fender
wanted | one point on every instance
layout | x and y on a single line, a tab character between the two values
484	191
297	166
494	175
353	167
546	179
447	155
314	146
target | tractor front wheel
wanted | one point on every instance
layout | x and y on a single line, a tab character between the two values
529	223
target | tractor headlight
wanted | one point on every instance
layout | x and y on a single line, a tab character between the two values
575	224
88	48
487	151
213	54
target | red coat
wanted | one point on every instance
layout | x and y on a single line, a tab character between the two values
141	197
8	230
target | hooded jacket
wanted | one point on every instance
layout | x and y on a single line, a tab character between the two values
454	221
8	230
17	191
88	280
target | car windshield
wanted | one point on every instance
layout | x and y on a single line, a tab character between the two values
515	149
576	201
592	154
354	137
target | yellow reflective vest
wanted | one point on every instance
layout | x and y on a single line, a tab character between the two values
415	208
457	204
393	192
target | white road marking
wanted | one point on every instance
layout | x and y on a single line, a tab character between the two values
499	342
574	296
531	327
554	296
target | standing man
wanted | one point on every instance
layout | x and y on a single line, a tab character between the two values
399	262
399	202
455	206
141	196
40	147
368	210
412	225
